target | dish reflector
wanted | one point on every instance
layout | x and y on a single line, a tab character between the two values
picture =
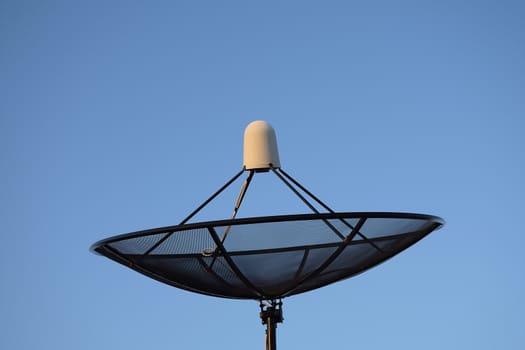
266	258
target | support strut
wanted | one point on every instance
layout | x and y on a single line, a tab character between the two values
271	314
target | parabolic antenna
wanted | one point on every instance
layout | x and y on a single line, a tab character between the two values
272	257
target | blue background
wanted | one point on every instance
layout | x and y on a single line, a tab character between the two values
117	116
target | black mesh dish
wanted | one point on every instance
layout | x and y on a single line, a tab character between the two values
267	257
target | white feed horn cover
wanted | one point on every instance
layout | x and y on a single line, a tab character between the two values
260	146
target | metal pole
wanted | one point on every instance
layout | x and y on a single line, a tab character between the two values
271	314
271	334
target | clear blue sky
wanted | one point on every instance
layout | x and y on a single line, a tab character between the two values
117	116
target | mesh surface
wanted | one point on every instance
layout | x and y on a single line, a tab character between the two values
267	257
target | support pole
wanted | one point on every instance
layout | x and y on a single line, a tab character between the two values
271	314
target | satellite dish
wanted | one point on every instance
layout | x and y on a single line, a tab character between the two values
271	257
